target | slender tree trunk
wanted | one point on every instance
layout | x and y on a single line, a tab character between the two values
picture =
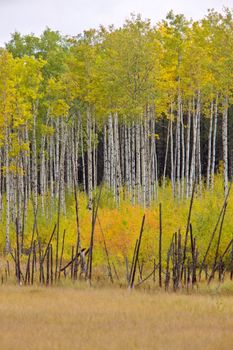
225	144
62	166
166	154
209	146
194	148
95	165
89	157
57	156
138	163
34	159
188	150
142	135
7	248
83	162
178	146
133	164
127	169
42	167
1	206
117	158
51	173
199	152
147	160
172	153
106	175
183	152
214	143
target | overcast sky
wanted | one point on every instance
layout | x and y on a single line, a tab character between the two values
73	16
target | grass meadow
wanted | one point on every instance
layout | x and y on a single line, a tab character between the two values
71	317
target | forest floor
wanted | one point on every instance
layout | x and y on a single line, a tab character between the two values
72	317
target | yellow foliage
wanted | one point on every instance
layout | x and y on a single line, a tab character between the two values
121	226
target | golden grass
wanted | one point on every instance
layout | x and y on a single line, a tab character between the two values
68	318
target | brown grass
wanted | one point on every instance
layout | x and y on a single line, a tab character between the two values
69	318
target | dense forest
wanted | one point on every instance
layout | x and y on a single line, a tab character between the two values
135	108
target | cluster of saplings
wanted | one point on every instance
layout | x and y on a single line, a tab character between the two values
183	268
133	107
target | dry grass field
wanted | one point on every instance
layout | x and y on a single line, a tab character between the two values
68	318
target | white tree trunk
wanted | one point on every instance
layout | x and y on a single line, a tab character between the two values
209	146
188	151
89	158
7	247
225	144
214	143
138	163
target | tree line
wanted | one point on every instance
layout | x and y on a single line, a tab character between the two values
135	107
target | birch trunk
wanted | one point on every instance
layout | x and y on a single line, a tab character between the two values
166	154
42	168
7	247
199	153
178	147
1	206
172	153
214	143
106	175
133	164
138	163
126	160
142	135
225	144
194	147
117	158
183	153
34	159
62	166
83	161
188	151
209	146
89	158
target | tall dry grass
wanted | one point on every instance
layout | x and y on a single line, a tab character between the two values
68	318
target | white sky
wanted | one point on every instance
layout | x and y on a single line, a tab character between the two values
73	16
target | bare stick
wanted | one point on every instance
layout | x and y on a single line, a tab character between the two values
72	261
47	267
137	253
231	267
214	231
62	252
49	242
193	255
160	245
187	228
51	263
218	244
167	278
31	247
114	268
132	264
127	269
106	252
94	216
40	261
78	242
17	253
227	248
147	277
33	262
